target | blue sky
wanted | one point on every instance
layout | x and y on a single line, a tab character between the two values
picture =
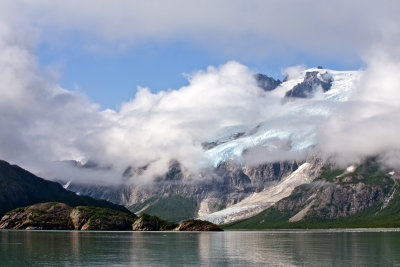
107	50
110	79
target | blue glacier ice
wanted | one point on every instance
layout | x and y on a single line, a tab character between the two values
296	126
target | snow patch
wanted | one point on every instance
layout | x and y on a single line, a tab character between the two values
67	184
351	169
348	170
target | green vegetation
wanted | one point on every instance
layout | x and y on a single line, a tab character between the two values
196	222
104	219
371	217
172	208
20	188
198	225
160	224
59	216
385	213
370	174
17	210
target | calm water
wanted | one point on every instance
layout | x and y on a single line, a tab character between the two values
268	248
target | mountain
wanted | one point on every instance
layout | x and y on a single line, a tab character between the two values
233	189
266	175
362	197
259	201
313	81
176	196
267	83
20	188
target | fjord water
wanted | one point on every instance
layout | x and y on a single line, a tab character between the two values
236	248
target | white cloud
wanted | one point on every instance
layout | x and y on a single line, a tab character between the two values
238	28
42	123
367	125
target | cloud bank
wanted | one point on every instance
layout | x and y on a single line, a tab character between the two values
238	28
367	125
43	124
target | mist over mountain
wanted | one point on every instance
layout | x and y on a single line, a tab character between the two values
243	115
314	111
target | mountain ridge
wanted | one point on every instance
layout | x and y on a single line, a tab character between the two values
20	188
359	198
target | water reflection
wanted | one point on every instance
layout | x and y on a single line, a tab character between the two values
282	248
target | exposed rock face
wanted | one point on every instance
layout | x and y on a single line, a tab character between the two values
259	201
152	223
48	216
91	218
262	174
198	225
312	81
59	216
331	201
223	187
267	83
363	196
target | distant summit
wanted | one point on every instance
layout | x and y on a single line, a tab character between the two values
313	81
267	83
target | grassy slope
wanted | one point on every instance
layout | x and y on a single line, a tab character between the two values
172	208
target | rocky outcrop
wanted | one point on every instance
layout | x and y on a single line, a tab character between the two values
331	201
261	175
198	225
313	81
92	218
59	216
152	223
266	83
44	216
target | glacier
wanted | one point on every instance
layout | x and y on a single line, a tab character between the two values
285	127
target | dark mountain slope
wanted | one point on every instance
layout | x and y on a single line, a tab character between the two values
20	188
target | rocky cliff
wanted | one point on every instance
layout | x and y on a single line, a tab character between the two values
313	81
178	196
364	196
